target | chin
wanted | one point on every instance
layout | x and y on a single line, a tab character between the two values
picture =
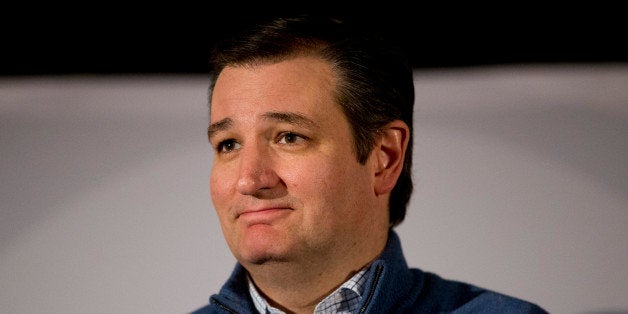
259	253
260	258
261	245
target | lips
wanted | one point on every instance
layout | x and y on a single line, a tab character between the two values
248	211
263	215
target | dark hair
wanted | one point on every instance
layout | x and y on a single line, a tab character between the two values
375	87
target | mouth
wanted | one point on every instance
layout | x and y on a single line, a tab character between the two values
267	215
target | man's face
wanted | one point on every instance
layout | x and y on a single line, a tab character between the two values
285	183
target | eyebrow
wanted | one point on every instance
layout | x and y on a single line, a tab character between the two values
287	117
221	125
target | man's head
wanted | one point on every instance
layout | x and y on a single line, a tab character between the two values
374	85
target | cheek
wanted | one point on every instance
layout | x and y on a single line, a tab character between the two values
218	187
320	182
307	177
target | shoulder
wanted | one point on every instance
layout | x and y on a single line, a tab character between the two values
493	302
460	297
411	290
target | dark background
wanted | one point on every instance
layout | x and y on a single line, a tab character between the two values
175	38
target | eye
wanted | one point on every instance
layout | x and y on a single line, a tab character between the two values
290	138
227	146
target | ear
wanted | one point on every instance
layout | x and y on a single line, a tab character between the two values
389	152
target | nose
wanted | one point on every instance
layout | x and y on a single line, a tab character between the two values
257	175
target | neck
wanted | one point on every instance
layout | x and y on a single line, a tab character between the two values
297	287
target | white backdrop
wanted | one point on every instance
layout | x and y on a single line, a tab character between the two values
521	186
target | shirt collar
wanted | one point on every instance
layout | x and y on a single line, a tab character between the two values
345	299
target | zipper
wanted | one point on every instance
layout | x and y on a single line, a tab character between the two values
378	273
224	307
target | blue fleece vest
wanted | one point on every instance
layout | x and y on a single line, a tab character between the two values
392	287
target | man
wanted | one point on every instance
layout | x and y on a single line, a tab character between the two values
311	123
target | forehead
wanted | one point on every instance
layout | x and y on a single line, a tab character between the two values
304	84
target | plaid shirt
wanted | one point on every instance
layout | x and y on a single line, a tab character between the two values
345	299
